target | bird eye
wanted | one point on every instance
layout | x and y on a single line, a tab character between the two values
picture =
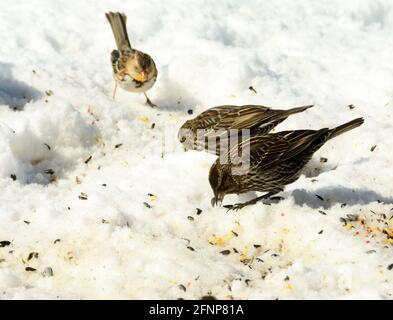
182	139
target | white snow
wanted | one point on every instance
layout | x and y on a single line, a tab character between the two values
55	90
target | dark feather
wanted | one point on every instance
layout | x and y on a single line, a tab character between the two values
274	160
219	120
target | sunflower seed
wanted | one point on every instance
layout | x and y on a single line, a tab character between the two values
182	287
4	243
252	89
30	269
88	159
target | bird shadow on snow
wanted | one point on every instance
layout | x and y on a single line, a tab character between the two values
14	93
327	197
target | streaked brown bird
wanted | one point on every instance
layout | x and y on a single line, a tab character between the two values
214	124
274	161
133	70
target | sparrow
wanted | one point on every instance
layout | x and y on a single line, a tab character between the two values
222	122
274	160
133	70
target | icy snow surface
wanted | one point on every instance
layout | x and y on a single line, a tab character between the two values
56	112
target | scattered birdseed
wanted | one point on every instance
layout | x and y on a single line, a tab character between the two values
56	241
373	148
27	222
4	243
118	145
247	281
48	272
256	246
199	211
390	266
275	255
32	255
152	197
48	146
49	93
352	217
320	232
388	232
30	269
147	205
343	220
371	251
323	159
252	89
13	176
190	111
104	221
191	248
104	184
225	252
286	278
83	196
88	159
153	125
259	260
182	287
190	218
234	233
144	119
235	250
49	171
351	106
322	212
319	197
343	205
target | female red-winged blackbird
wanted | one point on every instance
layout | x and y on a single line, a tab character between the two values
274	160
214	124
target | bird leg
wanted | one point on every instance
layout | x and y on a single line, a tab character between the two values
151	104
114	91
239	206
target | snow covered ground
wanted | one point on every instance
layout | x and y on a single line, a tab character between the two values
77	168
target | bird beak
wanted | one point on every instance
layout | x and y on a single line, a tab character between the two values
144	75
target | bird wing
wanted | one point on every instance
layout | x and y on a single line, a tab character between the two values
220	119
241	117
271	149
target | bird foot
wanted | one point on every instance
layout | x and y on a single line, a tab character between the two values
239	206
235	207
149	103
